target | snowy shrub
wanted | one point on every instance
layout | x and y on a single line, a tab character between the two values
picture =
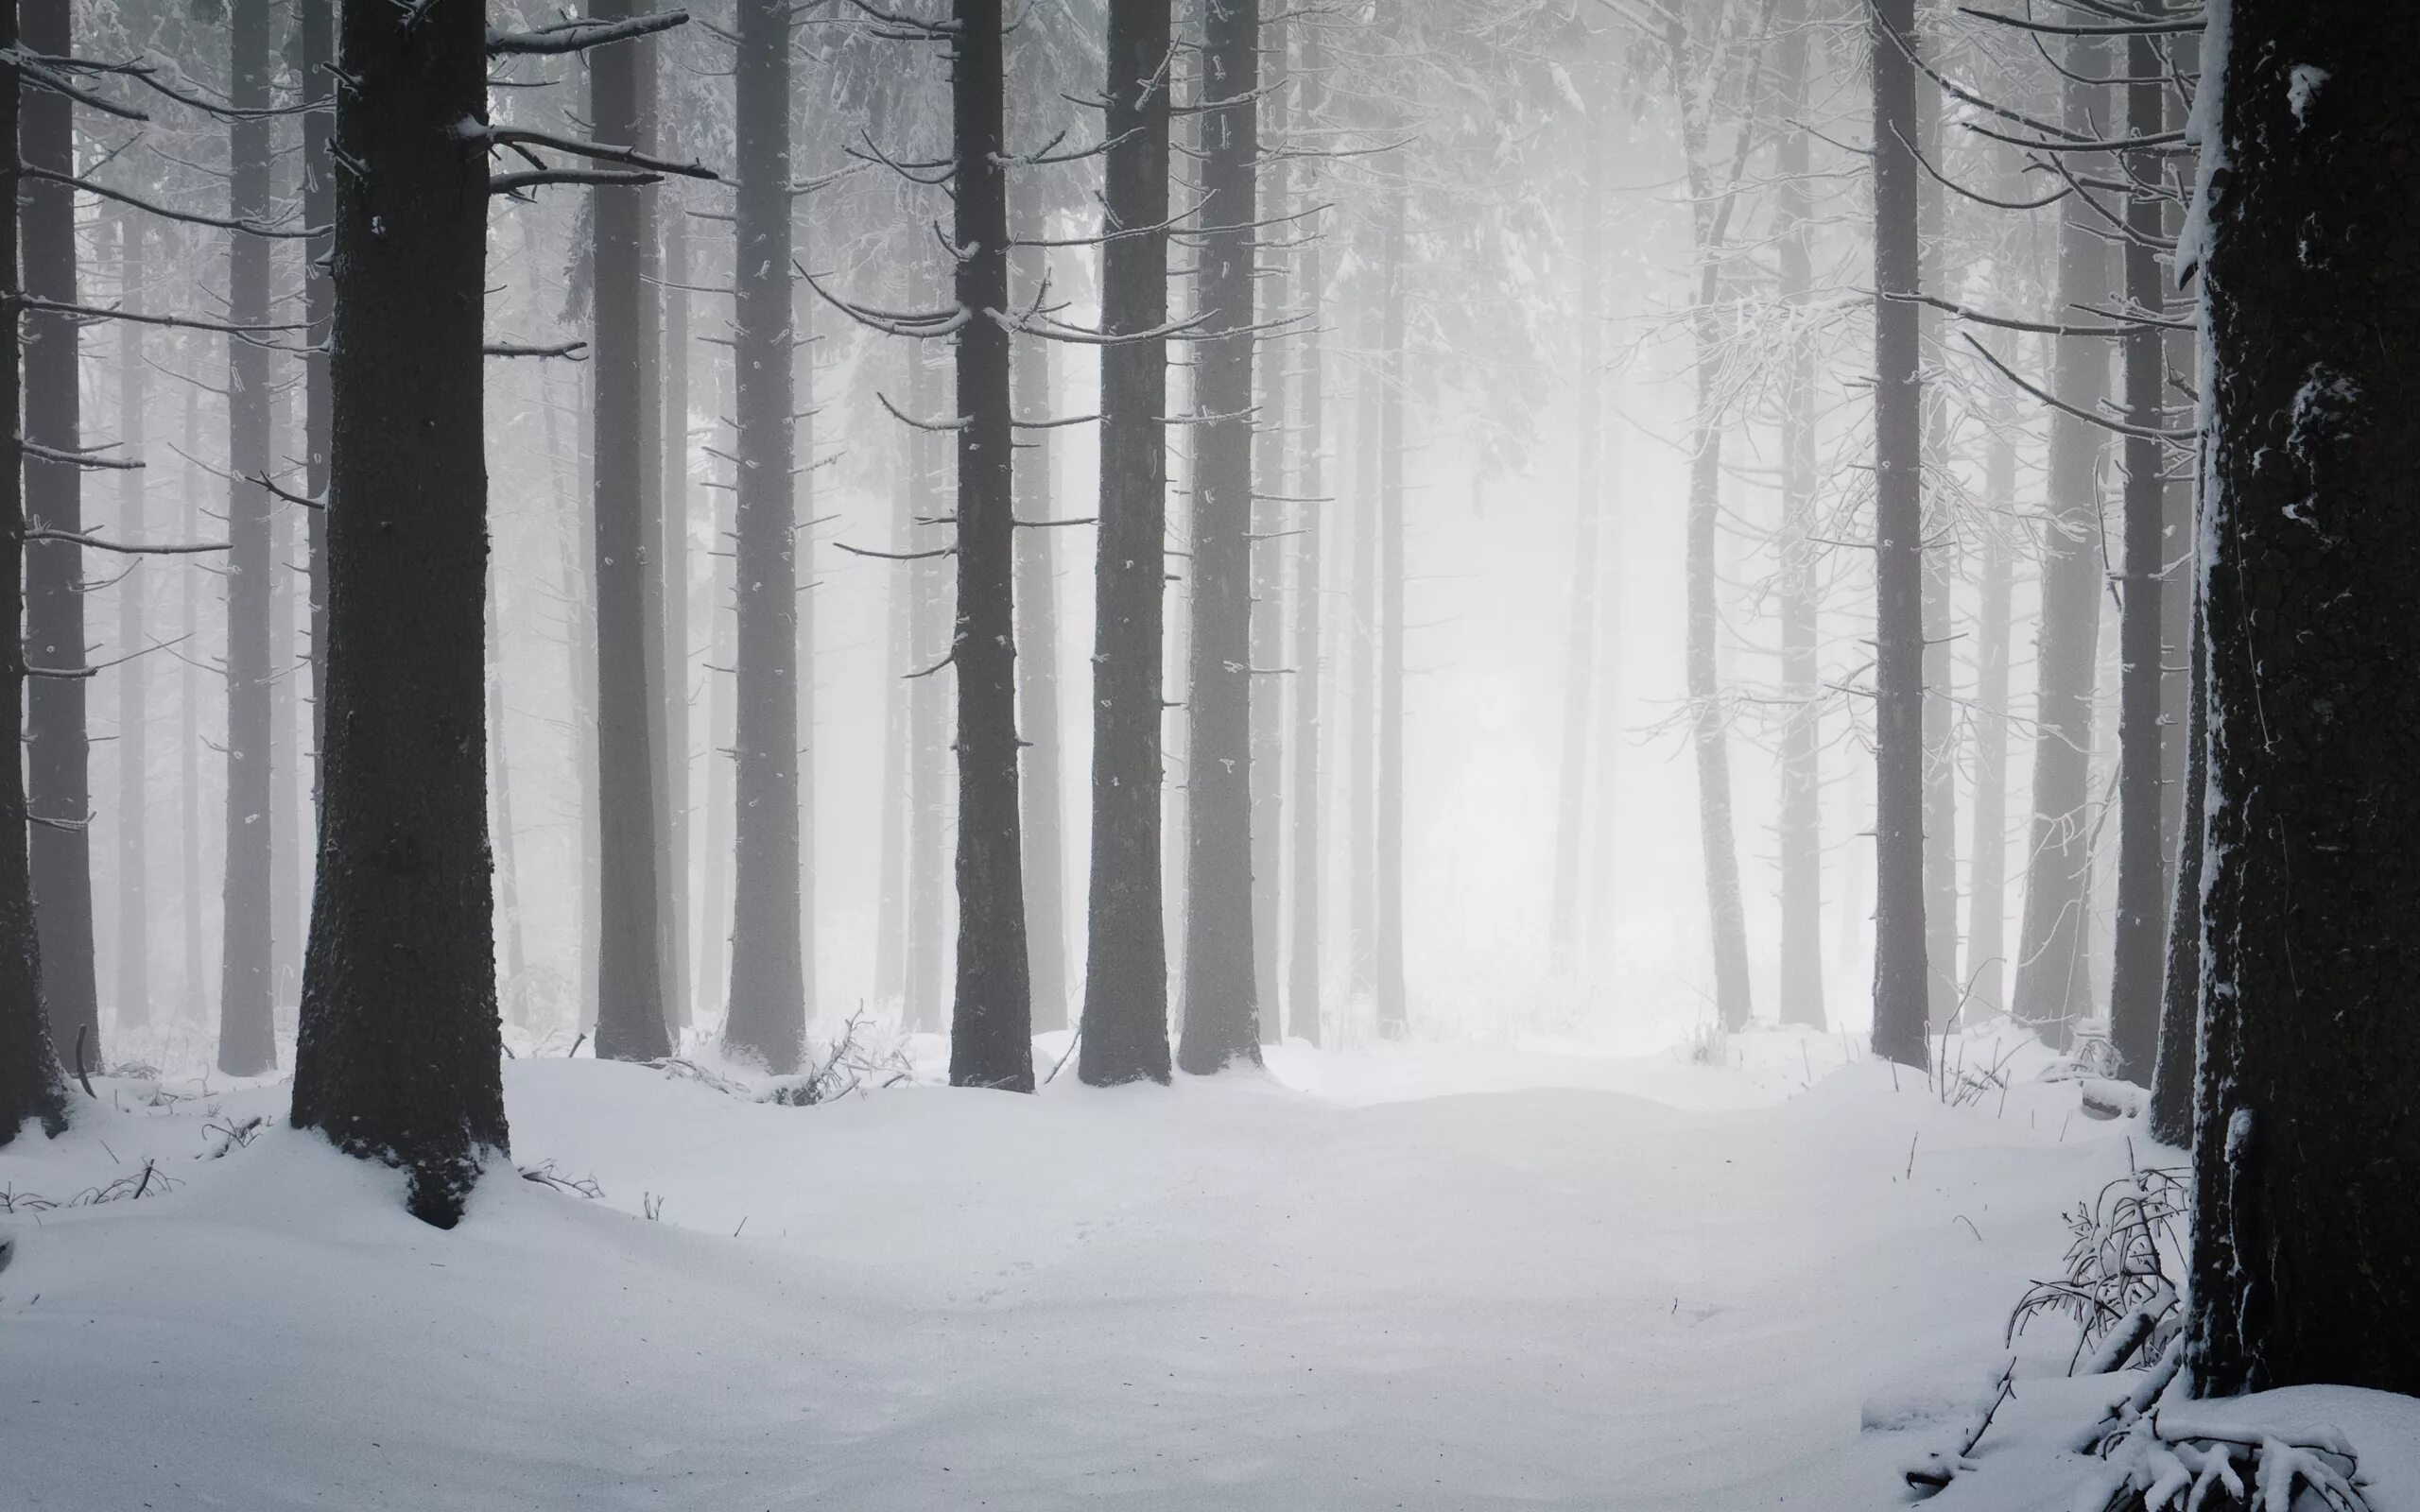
2123	1273
852	1064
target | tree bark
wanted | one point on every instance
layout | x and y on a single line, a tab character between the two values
397	1057
1267	554
31	1085
133	677
2053	989
928	924
631	1004
1125	1029
767	1012
247	1026
1900	986
1221	1004
2306	1152
2138	954
1802	776
59	789
992	1018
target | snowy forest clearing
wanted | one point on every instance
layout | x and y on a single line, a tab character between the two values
1608	1281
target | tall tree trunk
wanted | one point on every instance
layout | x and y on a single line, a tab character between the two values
992	1019
1125	1031
288	900
1266	558
1579	649
807	501
133	677
2138	956
1726	913
631	1004
1037	593
767	1013
2306	1152
315	20
31	1086
2053	989
722	719
1362	771
1944	997
2180	1015
1222	1005
582	639
1900	988
397	1057
247	1028
189	697
59	788
1986	889
927	922
671	577
1802	776
1302	1005
892	931
1391	1012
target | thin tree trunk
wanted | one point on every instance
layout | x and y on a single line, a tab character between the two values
1986	968
288	900
723	699
1391	1011
133	677
1802	775
1267	559
1899	970
31	1086
398	1056
2138	956
807	508
892	932
315	20
672	574
632	1010
1221	1006
2053	989
767	1013
247	1029
1124	1031
928	924
2306	1152
1579	649
1037	592
1362	771
197	989
1942	725
1302	1005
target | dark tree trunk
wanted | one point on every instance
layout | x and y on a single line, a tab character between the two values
1037	592
316	21
133	678
631	1006
1221	1007
768	1014
992	1019
2139	956
2180	1014
59	788
2306	1153
1987	907
2053	989
1944	998
247	1026
1302	1005
1390	1012
1125	1009
31	1086
1802	776
398	1056
1900	986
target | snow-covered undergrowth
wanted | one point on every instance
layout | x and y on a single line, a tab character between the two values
1401	1277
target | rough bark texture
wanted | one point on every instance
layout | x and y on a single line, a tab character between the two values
133	678
992	1019
31	1086
247	1028
1221	1004
768	1014
1899	975
1125	1012
2308	1142
398	1058
57	783
2053	989
2140	933
1802	776
631	999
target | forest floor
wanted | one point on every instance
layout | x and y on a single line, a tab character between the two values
1397	1277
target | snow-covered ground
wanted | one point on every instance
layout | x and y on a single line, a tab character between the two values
1406	1276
